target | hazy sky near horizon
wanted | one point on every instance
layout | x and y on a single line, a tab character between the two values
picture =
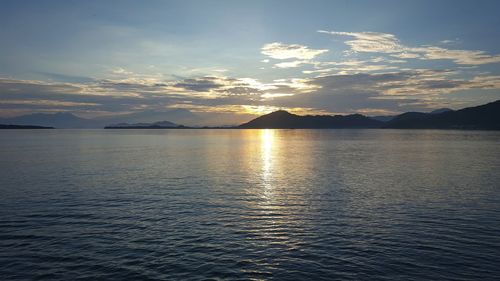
235	58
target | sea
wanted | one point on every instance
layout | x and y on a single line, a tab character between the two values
223	204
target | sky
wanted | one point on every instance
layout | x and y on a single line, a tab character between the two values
239	59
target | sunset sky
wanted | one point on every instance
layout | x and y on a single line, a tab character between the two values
235	59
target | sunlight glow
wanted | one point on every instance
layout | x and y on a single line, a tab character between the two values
267	143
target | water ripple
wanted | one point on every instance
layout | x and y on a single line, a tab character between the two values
250	205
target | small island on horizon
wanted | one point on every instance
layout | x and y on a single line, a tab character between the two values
4	126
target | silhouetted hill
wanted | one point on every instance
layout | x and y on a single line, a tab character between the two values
383	118
3	126
156	125
178	115
284	120
440	110
485	117
387	118
413	117
69	120
58	120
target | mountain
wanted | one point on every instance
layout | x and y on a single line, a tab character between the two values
440	110
485	117
406	118
480	117
284	120
387	118
69	120
58	120
178	115
155	125
3	126
383	118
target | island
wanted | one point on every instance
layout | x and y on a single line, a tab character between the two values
3	126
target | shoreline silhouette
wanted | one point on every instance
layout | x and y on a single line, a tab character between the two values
482	117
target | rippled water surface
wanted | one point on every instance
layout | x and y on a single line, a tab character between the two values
249	204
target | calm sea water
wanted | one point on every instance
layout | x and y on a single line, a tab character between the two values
249	205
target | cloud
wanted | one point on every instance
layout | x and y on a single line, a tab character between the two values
321	70
375	64
126	95
412	90
354	88
447	41
458	56
290	64
363	42
199	84
121	71
405	55
98	96
283	51
277	95
369	41
376	42
50	103
344	63
64	77
406	84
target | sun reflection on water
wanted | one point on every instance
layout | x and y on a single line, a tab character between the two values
272	217
267	145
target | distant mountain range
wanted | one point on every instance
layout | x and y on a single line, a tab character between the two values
485	117
66	120
386	118
58	120
177	115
